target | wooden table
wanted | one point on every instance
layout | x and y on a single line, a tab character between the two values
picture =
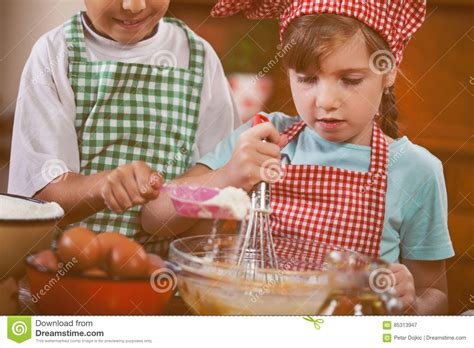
176	306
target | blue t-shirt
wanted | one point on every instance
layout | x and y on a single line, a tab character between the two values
415	224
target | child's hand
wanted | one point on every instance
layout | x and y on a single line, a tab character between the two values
253	160
404	286
131	184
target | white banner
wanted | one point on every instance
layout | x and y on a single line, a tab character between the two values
195	331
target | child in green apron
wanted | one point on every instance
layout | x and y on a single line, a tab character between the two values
112	104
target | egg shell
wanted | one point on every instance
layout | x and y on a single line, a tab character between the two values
80	244
128	259
47	259
107	240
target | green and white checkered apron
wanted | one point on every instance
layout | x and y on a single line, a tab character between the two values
134	112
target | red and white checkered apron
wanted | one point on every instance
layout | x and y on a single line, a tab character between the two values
331	205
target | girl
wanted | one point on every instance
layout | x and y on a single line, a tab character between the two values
112	96
343	179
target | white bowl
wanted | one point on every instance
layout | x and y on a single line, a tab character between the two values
24	234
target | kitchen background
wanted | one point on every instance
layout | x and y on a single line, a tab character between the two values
435	90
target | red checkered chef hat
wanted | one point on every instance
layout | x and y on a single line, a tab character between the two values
395	20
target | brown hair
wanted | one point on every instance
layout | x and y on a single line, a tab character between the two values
312	37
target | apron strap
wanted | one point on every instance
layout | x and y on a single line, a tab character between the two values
196	46
379	152
294	130
74	35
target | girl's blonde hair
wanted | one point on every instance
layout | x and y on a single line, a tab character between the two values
313	37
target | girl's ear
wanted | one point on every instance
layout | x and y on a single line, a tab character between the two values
389	78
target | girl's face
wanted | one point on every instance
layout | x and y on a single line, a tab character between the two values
126	21
340	101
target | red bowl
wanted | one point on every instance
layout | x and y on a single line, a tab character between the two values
54	293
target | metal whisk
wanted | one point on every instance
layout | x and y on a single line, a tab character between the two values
258	250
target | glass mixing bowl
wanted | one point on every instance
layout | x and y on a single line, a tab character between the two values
211	283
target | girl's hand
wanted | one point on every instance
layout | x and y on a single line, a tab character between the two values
404	286
253	160
129	185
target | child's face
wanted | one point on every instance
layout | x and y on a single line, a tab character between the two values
344	89
126	21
